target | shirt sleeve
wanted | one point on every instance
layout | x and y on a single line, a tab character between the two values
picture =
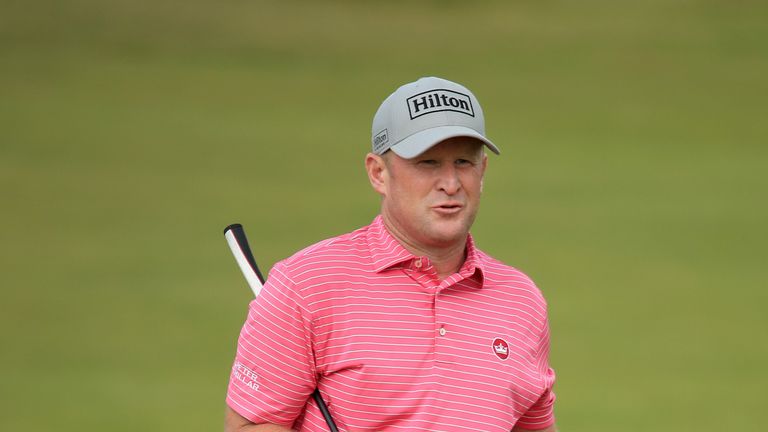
273	373
541	414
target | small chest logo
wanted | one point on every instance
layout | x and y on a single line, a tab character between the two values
501	348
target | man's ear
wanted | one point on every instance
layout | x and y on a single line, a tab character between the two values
376	168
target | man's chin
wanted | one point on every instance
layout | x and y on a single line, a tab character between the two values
448	236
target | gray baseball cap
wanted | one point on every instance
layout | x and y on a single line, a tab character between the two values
421	114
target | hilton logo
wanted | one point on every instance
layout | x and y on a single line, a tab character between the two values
439	100
380	140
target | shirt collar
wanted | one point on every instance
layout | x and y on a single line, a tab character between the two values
387	252
473	264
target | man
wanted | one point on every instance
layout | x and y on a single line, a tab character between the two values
403	324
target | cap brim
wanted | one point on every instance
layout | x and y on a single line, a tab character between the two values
422	141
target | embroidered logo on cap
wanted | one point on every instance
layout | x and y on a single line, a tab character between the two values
380	140
501	348
439	100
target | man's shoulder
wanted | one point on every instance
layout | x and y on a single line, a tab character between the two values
348	249
499	274
500	268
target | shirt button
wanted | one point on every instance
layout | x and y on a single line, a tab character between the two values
417	263
442	331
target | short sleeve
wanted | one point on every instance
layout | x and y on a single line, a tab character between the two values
541	414
273	373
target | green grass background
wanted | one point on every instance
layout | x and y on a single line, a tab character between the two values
632	188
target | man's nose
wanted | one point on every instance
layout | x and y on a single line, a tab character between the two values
449	179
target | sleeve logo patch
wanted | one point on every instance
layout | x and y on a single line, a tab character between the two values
245	375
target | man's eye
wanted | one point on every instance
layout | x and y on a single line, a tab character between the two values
463	162
428	162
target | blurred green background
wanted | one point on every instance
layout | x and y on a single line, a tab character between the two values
631	187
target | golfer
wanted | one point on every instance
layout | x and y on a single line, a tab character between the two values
403	324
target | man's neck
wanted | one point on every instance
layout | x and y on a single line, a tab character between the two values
449	264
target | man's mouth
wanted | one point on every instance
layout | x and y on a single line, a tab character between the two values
448	208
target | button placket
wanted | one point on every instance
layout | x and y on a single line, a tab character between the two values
442	335
445	341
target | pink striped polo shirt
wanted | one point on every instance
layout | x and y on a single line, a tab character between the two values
390	346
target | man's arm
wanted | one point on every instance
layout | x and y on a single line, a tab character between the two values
549	429
234	422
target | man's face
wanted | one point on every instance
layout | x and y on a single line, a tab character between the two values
431	201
